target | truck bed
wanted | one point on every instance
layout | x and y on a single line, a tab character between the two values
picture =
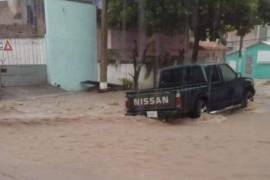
162	99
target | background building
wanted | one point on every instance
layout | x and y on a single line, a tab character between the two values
59	49
258	34
255	61
22	18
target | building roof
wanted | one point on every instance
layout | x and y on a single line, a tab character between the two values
261	42
211	45
232	52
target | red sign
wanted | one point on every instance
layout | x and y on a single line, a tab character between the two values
5	46
8	46
249	65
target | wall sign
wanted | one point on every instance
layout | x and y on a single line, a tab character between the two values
249	64
5	45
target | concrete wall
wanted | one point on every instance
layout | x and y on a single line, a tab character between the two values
70	43
23	75
118	72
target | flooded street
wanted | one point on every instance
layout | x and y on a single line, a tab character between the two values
67	136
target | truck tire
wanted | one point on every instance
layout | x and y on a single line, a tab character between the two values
248	96
198	109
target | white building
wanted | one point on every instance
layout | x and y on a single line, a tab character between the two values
22	45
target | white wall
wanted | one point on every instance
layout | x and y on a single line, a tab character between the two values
24	52
233	64
118	72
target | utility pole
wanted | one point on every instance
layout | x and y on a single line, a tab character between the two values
103	85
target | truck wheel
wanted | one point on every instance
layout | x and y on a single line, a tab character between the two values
199	108
247	98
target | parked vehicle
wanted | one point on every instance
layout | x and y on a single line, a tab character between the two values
191	90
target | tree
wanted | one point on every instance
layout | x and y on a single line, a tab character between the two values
104	34
150	17
206	20
211	19
242	16
264	11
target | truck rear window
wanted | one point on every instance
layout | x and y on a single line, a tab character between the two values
181	76
212	74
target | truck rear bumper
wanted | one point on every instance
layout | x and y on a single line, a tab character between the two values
162	114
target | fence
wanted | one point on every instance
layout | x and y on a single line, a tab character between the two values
22	51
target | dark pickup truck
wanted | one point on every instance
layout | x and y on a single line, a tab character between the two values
191	90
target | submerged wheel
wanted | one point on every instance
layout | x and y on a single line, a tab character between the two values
199	108
248	97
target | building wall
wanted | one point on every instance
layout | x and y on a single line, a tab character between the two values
248	65
22	51
22	62
7	14
70	43
23	75
125	71
233	60
22	18
239	64
123	43
260	71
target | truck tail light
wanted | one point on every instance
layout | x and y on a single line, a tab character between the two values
178	100
126	103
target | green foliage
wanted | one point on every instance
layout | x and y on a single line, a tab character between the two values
242	15
127	83
208	19
205	18
159	16
123	13
113	56
264	11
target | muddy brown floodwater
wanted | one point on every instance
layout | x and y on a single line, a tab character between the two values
82	136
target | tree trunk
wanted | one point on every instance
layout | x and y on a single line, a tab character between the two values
195	25
155	72
104	35
136	80
241	46
135	67
136	74
195	50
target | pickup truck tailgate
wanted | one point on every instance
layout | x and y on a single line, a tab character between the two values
150	101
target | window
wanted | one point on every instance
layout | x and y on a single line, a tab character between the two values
212	74
264	57
172	77
228	73
181	76
31	19
194	75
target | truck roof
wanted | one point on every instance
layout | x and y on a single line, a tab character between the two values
190	65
